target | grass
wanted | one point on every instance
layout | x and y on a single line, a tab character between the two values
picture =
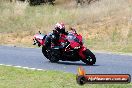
11	77
105	25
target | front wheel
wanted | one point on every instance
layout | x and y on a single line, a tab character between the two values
90	57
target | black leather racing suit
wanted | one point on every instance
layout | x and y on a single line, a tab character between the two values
53	38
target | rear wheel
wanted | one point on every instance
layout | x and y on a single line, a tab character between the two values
54	55
45	53
90	57
53	59
49	55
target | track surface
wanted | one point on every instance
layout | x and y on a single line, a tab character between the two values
33	58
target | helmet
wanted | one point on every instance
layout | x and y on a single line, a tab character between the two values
60	27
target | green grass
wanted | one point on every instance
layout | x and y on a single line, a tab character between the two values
11	77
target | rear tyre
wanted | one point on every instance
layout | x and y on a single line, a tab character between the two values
45	53
90	57
53	59
54	55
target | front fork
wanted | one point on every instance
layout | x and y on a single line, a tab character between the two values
81	52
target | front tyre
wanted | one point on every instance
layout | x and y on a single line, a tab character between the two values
90	57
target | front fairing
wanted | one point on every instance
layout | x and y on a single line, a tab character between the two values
74	41
74	45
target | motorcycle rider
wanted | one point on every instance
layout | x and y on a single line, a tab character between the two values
56	37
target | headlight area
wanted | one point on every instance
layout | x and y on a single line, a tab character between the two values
77	47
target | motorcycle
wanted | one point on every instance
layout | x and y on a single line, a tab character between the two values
72	49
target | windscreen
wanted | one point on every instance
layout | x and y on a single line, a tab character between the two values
72	37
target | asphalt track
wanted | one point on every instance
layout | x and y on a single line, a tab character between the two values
33	58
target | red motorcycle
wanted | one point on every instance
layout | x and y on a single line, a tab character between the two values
70	49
